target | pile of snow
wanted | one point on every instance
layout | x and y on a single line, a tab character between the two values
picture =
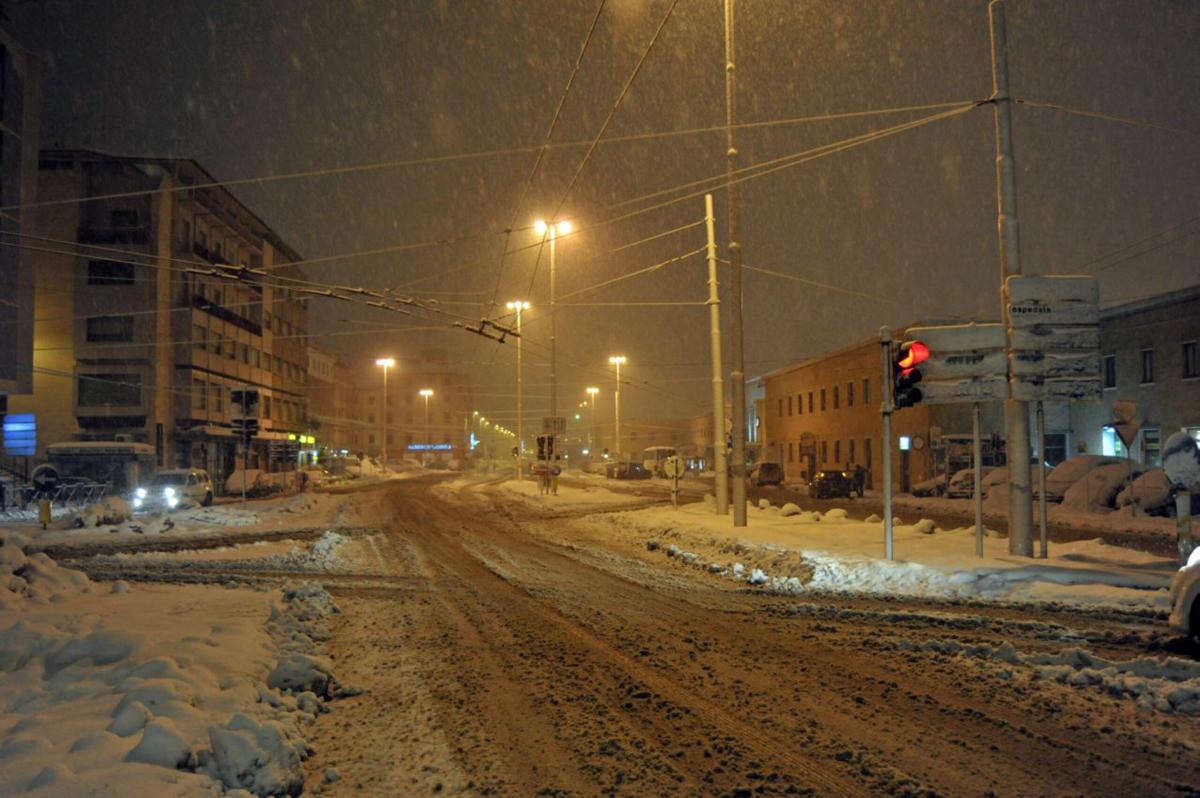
1151	492
1167	684
107	512
1070	471
258	482
160	690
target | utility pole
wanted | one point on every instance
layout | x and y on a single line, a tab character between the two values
1016	412
887	408
519	306
721	485
733	195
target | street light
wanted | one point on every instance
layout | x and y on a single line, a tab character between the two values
518	307
617	360
553	230
592	417
427	392
387	363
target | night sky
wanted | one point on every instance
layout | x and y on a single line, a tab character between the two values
253	89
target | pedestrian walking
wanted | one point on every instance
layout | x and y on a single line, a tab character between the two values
860	480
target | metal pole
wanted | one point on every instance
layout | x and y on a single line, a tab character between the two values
885	347
718	384
1016	412
520	399
617	446
737	376
383	440
553	337
245	447
1041	454
977	477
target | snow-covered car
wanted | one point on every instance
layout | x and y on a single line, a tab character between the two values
1097	490
962	483
174	488
1070	471
1151	491
934	486
1185	597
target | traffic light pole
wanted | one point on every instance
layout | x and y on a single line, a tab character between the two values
885	347
1016	412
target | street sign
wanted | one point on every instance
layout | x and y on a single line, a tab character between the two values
966	362
1055	337
674	467
554	425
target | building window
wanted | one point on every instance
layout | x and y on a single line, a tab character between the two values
825	452
1109	363
102	390
1191	363
109	272
106	329
1147	366
245	353
822	400
199	337
781	408
836	392
799	404
1056	448
1151	446
126	219
850	395
218	393
867	453
266	407
370	418
810	401
230	349
199	397
837	450
866	390
789	405
791	452
850	458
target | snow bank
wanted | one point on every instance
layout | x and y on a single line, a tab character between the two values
1096	491
184	690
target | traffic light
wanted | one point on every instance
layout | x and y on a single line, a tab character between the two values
905	374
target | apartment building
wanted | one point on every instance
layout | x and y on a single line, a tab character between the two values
137	337
331	400
1149	354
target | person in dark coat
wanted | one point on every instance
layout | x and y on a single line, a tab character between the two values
860	480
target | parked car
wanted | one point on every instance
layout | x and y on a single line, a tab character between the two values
962	483
766	473
1097	491
1070	471
831	484
1185	597
627	471
934	486
175	488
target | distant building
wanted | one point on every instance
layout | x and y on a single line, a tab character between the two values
331	400
135	339
1150	354
639	434
19	103
409	431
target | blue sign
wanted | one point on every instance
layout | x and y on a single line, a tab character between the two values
20	435
474	441
430	447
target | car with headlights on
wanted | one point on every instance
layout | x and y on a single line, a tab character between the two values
175	488
831	483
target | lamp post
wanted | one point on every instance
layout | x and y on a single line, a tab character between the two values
592	418
519	306
426	393
617	360
553	230
387	363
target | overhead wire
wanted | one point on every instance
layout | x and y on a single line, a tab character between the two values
1124	120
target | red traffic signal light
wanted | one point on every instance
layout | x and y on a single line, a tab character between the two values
905	374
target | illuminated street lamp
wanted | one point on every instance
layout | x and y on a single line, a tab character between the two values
518	307
387	363
618	360
553	231
426	393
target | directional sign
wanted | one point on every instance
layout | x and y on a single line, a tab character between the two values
1055	338
674	467
966	362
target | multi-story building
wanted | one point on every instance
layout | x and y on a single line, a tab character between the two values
18	184
1149	354
637	435
137	336
414	423
331	400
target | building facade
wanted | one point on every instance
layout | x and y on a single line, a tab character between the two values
1149	354
19	88
331	400
138	337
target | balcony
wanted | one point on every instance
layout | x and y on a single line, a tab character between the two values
113	235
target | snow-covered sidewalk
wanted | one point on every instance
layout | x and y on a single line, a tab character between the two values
109	689
791	550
